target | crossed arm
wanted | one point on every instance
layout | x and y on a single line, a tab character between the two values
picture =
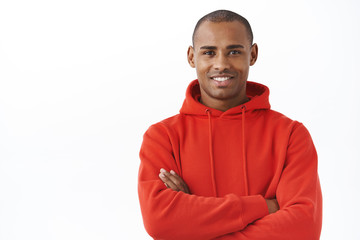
173	181
165	208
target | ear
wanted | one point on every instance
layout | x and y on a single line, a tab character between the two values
253	54
190	56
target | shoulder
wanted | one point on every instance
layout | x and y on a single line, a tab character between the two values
280	123
295	127
166	126
278	118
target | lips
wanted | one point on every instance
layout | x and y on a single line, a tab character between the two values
222	80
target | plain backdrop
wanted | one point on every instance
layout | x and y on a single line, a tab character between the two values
81	81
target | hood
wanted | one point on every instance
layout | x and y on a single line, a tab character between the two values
256	92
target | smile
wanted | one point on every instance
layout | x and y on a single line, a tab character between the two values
221	79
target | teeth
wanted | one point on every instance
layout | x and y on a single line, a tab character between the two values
221	79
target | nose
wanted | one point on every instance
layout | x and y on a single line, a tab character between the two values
221	62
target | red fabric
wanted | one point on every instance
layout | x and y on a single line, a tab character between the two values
246	159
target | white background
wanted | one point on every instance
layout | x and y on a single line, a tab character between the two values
81	81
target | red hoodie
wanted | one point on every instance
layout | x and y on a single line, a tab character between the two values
231	162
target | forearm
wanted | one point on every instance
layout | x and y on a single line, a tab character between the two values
298	222
176	215
174	182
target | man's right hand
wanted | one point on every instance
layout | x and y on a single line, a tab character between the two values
173	181
272	205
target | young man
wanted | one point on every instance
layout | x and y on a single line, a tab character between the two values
230	168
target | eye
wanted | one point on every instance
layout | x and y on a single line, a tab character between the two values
234	52
209	53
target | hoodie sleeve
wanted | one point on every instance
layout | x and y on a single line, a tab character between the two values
168	214
299	196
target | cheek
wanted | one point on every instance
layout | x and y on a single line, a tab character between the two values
242	66
201	68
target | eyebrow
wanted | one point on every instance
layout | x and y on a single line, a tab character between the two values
228	47
235	46
208	47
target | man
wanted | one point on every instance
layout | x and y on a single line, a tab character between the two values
230	168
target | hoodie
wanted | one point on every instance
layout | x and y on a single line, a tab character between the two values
231	161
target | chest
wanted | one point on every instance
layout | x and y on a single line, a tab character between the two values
229	154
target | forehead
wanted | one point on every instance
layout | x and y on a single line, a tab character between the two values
221	33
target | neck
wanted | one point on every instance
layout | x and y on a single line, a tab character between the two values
223	105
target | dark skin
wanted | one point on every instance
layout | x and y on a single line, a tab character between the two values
222	50
173	181
222	55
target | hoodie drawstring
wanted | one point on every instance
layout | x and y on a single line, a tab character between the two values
246	186
211	154
245	177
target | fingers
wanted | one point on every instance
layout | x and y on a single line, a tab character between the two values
183	185
173	181
165	177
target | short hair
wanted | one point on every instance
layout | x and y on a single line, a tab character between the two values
224	16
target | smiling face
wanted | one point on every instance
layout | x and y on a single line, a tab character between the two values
222	55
